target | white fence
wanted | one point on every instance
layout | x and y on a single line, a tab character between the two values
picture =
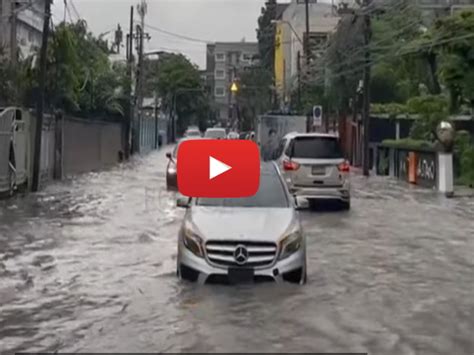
14	149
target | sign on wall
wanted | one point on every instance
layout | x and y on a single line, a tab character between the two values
317	116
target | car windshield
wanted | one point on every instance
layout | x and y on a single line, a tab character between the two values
316	148
271	194
215	134
193	133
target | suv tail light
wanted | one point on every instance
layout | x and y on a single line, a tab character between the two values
344	167
289	165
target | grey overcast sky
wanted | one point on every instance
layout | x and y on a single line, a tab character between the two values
210	20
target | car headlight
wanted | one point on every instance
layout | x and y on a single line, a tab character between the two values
290	244
192	241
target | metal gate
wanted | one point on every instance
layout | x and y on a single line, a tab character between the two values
14	149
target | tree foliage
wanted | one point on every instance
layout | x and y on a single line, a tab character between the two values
80	78
266	35
431	110
457	64
344	56
178	82
254	95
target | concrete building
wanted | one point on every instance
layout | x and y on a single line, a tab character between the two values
291	34
23	21
224	62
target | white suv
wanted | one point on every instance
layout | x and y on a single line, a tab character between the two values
314	167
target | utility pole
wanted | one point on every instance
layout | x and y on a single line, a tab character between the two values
307	50
130	111
298	65
40	104
366	87
13	41
142	10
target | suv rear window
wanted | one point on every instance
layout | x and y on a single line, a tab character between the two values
316	148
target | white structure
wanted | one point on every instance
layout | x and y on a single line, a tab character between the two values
25	19
323	19
446	172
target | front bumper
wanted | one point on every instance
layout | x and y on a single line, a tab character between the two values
274	272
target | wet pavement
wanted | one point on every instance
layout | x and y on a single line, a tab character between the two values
88	265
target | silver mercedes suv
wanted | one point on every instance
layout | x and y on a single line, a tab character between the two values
233	240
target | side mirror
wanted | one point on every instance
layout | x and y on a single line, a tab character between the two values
168	155
183	202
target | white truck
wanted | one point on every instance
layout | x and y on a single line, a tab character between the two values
271	128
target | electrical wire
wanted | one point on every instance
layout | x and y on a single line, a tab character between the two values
385	56
177	35
74	9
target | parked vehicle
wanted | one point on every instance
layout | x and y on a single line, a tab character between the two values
257	238
233	135
171	175
192	133
314	167
215	133
243	135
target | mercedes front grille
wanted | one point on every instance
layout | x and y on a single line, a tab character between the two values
224	253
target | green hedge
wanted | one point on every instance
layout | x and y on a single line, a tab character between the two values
409	143
464	155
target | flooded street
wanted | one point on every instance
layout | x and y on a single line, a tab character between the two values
89	266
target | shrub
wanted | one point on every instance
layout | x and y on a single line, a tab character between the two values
432	109
409	143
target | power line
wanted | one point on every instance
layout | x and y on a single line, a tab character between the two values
76	13
385	56
191	39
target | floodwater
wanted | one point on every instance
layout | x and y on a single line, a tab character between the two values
89	265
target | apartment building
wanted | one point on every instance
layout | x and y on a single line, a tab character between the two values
291	36
22	21
224	62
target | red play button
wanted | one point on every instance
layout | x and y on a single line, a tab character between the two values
218	168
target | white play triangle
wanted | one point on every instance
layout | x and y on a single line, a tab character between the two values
216	168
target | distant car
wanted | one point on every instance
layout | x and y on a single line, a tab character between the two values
215	133
314	167
250	135
171	175
243	135
257	238
192	133
233	135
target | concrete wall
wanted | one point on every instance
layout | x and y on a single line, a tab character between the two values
90	145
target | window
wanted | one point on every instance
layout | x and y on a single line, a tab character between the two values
219	91
271	194
315	148
220	57
220	74
247	57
